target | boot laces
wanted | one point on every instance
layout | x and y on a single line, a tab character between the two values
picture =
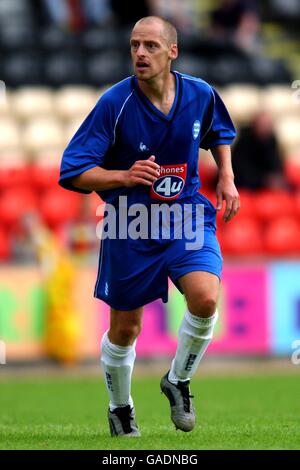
125	416
185	393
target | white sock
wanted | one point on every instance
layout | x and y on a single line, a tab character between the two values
195	334
117	362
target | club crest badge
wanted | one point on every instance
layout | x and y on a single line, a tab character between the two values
196	129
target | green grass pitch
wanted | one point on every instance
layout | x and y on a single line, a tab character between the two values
232	413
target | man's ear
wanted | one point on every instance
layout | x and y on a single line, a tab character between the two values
173	54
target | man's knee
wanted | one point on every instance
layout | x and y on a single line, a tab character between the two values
128	333
125	326
201	290
202	304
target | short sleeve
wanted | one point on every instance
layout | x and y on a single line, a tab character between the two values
89	145
217	128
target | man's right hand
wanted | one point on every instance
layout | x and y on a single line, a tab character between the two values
142	172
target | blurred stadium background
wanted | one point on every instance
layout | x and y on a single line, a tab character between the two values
57	58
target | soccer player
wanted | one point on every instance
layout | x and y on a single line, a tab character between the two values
141	141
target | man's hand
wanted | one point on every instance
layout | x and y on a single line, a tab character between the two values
226	190
142	172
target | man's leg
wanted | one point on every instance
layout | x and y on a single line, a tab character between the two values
201	290
117	358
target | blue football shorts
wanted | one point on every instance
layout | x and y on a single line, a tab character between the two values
133	273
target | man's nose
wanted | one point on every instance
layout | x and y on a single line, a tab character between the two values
140	50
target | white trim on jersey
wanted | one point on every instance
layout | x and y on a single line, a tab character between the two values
121	110
212	120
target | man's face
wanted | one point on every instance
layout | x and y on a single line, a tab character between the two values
150	51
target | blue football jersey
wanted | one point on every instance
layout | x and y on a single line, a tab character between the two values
125	127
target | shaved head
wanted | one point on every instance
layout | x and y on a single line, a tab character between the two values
153	47
168	30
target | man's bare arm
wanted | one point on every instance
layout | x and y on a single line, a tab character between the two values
226	189
98	179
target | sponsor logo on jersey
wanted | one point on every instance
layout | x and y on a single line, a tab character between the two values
170	182
196	129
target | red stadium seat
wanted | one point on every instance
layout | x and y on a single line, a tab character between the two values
297	203
269	205
14	176
241	236
58	206
4	245
246	204
292	173
208	174
14	203
282	237
44	177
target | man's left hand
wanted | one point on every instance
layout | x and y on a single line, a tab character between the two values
227	191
